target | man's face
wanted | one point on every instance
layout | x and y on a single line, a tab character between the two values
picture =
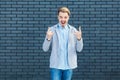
63	18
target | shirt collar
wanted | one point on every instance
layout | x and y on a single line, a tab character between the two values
59	25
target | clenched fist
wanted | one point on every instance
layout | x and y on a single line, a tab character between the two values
49	34
78	34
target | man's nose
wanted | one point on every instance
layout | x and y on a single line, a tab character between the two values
63	19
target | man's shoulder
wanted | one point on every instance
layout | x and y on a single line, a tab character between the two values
71	26
54	26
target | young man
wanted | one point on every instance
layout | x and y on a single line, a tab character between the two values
65	41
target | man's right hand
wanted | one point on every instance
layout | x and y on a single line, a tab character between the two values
49	34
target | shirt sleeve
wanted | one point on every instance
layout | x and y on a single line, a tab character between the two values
46	45
80	45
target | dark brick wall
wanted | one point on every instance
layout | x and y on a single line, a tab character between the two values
23	24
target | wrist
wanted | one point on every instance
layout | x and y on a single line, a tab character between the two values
79	39
48	39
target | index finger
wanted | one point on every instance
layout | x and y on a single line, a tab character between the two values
48	29
79	28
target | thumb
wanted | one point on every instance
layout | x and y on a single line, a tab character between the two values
75	32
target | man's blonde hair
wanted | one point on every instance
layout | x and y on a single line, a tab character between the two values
64	10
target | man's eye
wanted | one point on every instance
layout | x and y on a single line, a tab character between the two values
60	17
65	17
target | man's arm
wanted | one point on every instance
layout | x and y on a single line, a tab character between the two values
46	45
79	45
47	40
78	35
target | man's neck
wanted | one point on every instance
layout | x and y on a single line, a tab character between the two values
62	26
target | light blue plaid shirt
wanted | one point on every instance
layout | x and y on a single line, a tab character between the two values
63	47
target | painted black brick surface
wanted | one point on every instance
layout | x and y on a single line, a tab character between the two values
23	24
